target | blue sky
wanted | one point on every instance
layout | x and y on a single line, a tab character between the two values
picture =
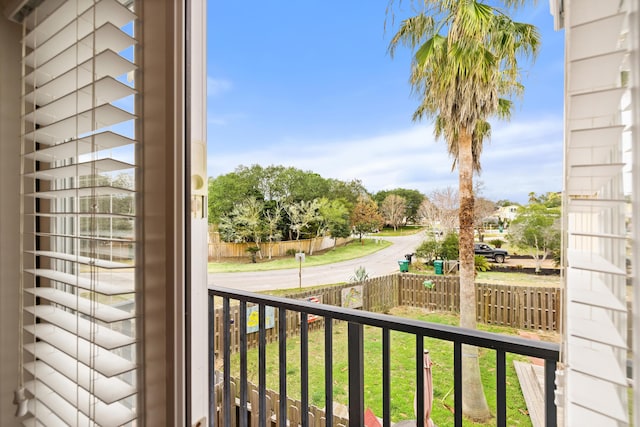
309	84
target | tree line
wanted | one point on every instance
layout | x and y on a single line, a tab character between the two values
267	204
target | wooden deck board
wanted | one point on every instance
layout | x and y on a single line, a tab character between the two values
533	390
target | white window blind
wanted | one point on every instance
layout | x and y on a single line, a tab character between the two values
597	212
78	282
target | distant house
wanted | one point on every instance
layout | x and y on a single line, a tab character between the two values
508	213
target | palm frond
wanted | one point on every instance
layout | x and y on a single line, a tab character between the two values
412	32
466	66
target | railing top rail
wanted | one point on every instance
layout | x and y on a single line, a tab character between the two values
509	344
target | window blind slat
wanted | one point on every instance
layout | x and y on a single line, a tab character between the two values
107	363
81	259
101	92
79	166
56	404
52	362
83	192
46	418
102	312
124	286
113	415
90	331
86	121
106	37
81	169
51	86
101	141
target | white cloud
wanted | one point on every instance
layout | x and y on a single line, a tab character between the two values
521	157
217	86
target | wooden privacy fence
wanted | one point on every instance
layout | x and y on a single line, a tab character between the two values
316	418
522	307
519	307
444	295
378	296
219	249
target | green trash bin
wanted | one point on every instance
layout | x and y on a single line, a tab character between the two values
404	265
438	266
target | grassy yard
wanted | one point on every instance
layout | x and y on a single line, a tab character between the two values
355	249
402	371
501	278
519	279
401	231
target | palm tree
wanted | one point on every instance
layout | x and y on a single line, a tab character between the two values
465	70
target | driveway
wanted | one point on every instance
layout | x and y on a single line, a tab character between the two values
379	263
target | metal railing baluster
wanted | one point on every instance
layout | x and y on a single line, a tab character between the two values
227	365
457	383
262	370
243	365
328	370
501	388
282	366
386	378
356	319
356	373
304	370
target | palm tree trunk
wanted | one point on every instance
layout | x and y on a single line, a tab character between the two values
474	403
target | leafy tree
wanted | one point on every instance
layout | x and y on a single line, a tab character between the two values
450	246
272	219
536	230
365	217
347	191
413	200
301	214
318	225
549	199
505	202
276	184
307	185
336	216
464	69
429	249
432	248
244	224
393	210
228	190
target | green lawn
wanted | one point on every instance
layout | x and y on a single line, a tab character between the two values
355	249
401	231
519	279
402	371
501	278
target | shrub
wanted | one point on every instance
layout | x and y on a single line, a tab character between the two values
291	252
497	243
481	263
450	246
360	275
428	249
445	249
252	251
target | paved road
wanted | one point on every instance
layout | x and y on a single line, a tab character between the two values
379	263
